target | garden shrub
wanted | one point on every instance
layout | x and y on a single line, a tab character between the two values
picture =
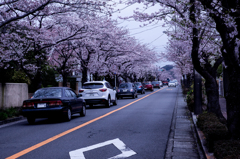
212	128
227	149
9	112
3	115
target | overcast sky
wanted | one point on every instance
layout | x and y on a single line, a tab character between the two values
151	34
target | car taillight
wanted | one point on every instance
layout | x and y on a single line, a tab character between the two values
28	104
53	103
103	89
118	90
140	87
80	91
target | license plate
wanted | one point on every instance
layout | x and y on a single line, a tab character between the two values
145	88
41	105
125	90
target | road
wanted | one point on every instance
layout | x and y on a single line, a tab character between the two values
134	129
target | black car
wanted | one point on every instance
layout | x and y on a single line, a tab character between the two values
53	102
127	90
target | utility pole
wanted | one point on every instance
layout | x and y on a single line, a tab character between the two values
197	93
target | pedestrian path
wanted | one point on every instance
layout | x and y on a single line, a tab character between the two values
182	142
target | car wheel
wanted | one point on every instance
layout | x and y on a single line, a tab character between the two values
108	103
31	120
115	102
68	116
83	112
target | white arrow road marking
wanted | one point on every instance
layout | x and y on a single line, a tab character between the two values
126	152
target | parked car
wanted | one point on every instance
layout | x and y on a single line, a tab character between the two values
172	84
98	92
53	102
175	81
156	84
148	86
127	90
139	87
160	83
165	82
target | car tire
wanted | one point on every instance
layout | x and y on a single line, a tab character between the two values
108	103
31	120
115	102
68	116
83	112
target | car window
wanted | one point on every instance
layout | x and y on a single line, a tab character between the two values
67	93
124	85
48	93
92	85
137	84
73	93
108	85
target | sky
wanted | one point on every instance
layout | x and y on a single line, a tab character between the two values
153	35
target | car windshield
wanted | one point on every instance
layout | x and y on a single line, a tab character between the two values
49	92
124	85
92	85
154	82
137	84
145	83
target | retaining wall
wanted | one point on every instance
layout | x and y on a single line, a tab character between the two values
13	94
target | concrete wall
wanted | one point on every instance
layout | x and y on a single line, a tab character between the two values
13	94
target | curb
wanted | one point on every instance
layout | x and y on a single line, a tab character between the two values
10	120
202	139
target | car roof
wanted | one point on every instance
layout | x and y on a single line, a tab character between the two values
96	82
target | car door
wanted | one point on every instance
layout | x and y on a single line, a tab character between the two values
111	91
70	98
77	102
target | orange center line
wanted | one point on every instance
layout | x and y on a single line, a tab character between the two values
23	152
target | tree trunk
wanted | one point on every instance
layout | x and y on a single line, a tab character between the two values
84	75
64	75
213	105
233	103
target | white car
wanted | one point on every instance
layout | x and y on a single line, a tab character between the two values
161	84
172	84
98	92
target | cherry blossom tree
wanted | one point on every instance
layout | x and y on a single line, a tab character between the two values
198	30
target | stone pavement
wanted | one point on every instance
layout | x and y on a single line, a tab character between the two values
182	142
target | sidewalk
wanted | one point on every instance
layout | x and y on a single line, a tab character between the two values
182	142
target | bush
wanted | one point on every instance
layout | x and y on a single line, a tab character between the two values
9	112
190	100
227	149
3	115
212	128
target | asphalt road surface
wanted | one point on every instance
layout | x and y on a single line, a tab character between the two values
133	129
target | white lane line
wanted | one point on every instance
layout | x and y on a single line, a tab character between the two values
126	152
